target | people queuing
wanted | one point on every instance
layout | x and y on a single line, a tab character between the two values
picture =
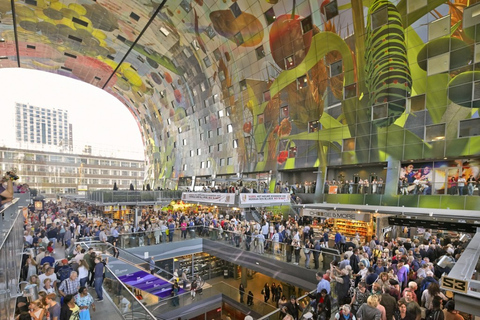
62	284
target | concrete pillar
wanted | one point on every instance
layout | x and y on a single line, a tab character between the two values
244	277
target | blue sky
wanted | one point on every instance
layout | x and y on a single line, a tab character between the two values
98	118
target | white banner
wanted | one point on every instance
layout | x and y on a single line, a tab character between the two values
205	197
264	198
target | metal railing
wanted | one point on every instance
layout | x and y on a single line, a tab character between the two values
129	306
112	197
11	248
275	250
166	305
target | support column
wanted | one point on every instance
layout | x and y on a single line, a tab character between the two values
244	277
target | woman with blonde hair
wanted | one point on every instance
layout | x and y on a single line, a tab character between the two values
37	312
369	311
83	272
34	280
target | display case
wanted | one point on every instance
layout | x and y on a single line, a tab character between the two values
204	265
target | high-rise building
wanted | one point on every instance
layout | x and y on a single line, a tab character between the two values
42	126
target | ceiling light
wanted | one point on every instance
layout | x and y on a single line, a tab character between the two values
164	31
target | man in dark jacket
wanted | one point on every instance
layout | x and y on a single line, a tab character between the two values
388	302
354	261
292	307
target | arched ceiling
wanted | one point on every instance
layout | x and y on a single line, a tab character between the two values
223	86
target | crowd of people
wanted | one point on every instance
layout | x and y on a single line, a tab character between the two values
62	284
362	186
385	281
379	280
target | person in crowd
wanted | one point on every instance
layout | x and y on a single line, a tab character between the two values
449	312
241	291
37	311
85	302
428	295
266	292
83	272
151	265
292	308
70	285
52	306
69	309
6	194
47	286
193	288
360	297
99	275
401	313
49	274
345	313
369	311
250	298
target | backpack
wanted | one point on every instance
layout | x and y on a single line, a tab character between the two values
435	315
64	273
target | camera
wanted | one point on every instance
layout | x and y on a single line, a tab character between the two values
11	175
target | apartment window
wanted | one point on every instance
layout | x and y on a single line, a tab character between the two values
125	173
219	147
184	167
210	134
220	113
219	131
417	103
229	128
270	16
379	17
350	91
184	142
260	52
229	161
380	111
469	128
307	24
199	152
435	132
201	136
313	126
235	143
289	62
174	144
205	119
302	82
349	144
292	152
202	165
211	149
209	163
192	153
243	85
222	162
414	5
330	10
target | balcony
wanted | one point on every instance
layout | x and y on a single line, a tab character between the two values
111	197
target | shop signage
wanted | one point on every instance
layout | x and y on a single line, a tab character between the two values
454	284
204	197
337	215
262	198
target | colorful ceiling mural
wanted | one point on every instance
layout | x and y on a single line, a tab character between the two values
222	87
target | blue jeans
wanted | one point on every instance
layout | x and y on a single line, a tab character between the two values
83	281
170	236
98	287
